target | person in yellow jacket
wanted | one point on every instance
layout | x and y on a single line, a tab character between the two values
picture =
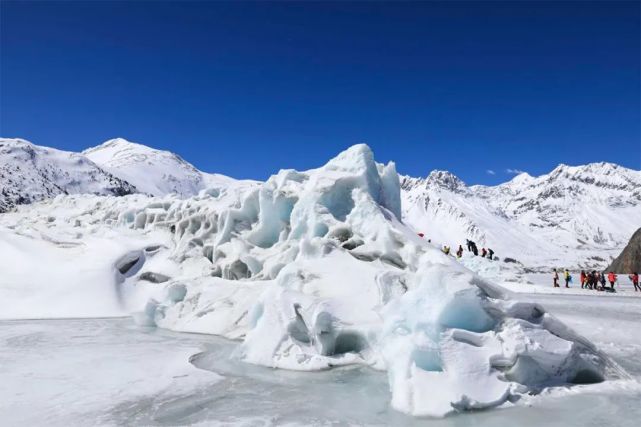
568	278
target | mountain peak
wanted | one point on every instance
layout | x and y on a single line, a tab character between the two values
152	171
596	168
445	179
118	143
523	178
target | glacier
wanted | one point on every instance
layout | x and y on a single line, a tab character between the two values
309	270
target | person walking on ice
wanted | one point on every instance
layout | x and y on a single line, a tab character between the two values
555	279
634	277
612	278
568	278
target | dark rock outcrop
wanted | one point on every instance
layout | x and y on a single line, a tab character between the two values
630	259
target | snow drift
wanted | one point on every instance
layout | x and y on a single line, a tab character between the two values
314	270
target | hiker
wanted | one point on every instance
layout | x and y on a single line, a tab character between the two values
446	250
568	278
583	278
490	253
612	278
475	249
634	277
603	279
555	279
459	252
483	253
469	245
597	280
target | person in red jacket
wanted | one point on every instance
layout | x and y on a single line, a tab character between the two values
612	278
635	281
583	279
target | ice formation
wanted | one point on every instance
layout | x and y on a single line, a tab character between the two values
315	269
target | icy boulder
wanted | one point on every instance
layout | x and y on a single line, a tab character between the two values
453	342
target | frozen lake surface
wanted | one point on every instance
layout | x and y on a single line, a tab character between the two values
112	372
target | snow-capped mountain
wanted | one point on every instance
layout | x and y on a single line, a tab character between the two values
152	171
30	173
574	214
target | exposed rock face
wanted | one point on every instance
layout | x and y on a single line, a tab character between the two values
630	259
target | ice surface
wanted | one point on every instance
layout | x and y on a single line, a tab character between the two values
109	372
312	270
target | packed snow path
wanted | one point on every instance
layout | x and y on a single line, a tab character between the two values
112	372
312	270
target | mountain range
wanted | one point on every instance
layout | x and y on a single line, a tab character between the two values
575	215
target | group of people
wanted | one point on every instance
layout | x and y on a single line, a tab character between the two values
471	247
595	280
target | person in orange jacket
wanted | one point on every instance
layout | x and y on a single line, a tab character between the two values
612	278
635	281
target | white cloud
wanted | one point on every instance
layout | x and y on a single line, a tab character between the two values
514	171
490	172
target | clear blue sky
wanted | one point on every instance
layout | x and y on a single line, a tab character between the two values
245	89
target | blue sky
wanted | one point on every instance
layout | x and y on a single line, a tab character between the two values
245	88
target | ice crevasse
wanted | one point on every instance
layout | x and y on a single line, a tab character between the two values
315	269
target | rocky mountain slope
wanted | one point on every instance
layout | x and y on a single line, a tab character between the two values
573	216
630	259
30	173
155	172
